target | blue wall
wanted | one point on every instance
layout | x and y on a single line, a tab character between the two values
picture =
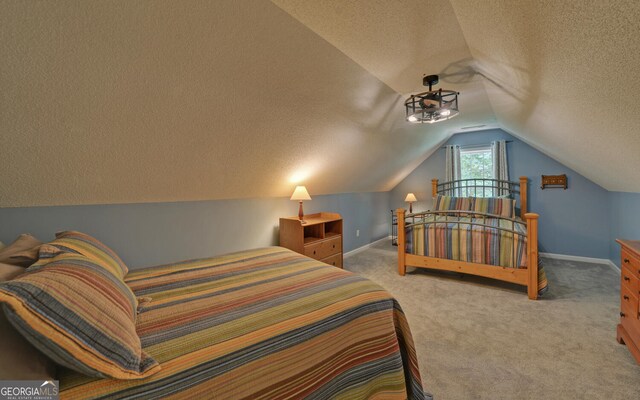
156	233
582	221
624	211
575	221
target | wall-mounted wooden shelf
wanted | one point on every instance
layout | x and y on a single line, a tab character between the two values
554	181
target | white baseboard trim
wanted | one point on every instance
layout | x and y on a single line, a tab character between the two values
614	266
594	260
363	248
583	259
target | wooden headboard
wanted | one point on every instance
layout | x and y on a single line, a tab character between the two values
519	188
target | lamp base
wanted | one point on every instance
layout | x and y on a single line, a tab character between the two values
301	214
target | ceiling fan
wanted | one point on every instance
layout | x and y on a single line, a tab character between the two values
432	106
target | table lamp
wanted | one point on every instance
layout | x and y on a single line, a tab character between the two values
300	194
409	199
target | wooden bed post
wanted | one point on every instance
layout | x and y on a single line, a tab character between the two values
532	254
402	268
434	187
523	196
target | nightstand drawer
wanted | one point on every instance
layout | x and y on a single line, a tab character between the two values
631	262
629	280
335	260
323	248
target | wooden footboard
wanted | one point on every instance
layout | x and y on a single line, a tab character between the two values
527	277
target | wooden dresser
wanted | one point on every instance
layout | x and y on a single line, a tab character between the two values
320	237
628	331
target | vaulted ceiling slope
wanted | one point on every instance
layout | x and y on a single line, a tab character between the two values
118	102
561	75
121	101
564	77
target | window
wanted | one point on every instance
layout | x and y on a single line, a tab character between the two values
477	163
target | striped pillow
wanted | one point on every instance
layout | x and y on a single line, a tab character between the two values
88	246
80	315
442	203
501	206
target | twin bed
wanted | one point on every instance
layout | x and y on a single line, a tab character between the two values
259	324
469	233
264	324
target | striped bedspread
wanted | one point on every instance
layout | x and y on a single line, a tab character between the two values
264	324
456	239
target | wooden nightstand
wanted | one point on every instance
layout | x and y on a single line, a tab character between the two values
320	237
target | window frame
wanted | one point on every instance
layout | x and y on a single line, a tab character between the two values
476	149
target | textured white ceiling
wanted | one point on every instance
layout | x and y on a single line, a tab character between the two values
564	77
114	102
561	75
400	41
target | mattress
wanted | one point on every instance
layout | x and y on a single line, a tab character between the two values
263	324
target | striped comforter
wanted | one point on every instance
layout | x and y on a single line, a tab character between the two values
456	239
264	324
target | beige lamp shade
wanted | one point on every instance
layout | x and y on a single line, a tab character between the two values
300	194
410	198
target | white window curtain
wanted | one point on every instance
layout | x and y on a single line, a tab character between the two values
453	171
500	166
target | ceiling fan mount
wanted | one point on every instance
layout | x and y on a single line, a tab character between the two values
430	80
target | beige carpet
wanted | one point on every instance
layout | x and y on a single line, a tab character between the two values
481	339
